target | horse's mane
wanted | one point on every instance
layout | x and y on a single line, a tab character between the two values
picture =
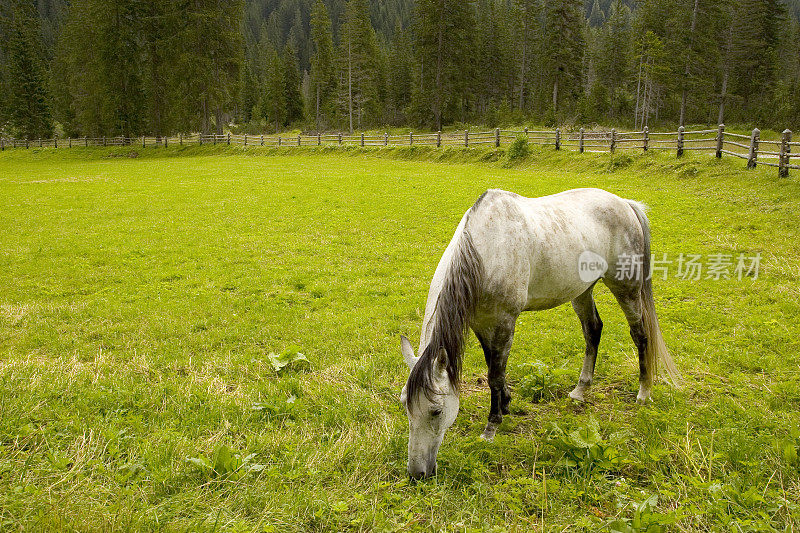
454	309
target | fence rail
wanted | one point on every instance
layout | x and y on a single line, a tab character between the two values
722	143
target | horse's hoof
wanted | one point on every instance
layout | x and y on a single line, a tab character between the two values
577	396
643	400
489	432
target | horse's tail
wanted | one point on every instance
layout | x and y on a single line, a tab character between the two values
656	351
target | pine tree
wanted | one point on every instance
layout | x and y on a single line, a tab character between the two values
323	78
444	44
291	86
526	35
212	53
359	77
5	21
273	101
757	37
564	47
596	16
27	106
401	77
613	60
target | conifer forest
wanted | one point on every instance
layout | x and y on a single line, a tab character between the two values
135	67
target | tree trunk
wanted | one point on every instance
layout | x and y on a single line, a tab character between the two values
723	95
524	63
726	68
318	91
686	70
555	95
350	83
437	112
638	93
206	121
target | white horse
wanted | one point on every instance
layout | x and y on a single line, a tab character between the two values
512	254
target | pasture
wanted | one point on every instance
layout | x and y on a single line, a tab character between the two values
154	309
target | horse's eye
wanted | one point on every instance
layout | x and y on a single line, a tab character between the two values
436	412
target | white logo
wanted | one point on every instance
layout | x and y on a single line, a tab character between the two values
591	266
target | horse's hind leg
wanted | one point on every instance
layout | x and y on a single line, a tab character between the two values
630	301
496	343
592	328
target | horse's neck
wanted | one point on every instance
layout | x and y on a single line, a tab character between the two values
430	314
436	286
431	308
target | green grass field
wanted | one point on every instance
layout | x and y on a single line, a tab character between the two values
145	303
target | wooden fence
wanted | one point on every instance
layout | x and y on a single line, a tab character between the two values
718	141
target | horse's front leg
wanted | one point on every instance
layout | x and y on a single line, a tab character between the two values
496	346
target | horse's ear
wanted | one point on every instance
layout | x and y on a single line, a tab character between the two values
408	352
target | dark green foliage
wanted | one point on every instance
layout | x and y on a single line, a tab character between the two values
129	67
323	76
563	50
136	66
444	30
360	70
27	107
291	86
273	101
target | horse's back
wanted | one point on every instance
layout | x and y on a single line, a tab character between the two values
531	247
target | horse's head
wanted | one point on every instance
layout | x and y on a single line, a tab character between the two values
431	405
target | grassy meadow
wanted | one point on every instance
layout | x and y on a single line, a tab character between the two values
207	338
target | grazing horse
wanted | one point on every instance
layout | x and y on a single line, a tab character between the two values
512	254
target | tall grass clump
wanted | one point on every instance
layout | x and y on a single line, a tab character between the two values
519	149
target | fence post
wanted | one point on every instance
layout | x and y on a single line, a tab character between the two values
27	143
262	140
497	138
245	139
386	138
40	143
645	137
526	133
438	139
319	139
613	144
752	155
55	142
180	139
229	138
86	141
70	142
580	140
200	139
362	138
681	131
466	137
340	139
720	140
558	139
166	141
411	138
2	144
279	141
786	149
